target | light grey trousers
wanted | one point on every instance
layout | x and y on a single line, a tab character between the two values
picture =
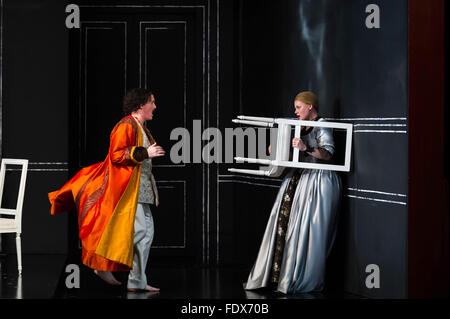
143	237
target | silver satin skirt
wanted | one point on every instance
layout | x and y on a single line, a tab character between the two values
309	237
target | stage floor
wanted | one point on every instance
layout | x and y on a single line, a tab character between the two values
44	277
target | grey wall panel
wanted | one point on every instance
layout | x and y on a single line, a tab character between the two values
380	162
360	76
373	234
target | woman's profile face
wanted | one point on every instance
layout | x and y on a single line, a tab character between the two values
301	110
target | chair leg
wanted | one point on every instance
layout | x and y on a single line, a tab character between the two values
19	253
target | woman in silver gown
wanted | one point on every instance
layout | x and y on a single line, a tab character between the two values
302	225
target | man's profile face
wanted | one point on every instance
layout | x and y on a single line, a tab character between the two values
148	108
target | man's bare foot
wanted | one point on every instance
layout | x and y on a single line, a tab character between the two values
148	288
108	277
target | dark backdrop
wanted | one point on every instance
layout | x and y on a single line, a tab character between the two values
360	76
259	55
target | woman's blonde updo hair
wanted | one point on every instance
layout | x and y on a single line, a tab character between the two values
308	97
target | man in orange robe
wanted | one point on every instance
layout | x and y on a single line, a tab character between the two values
105	194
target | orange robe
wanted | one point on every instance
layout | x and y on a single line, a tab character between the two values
105	196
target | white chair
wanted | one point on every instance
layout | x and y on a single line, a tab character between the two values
14	225
283	146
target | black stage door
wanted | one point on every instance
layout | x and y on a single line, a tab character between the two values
157	47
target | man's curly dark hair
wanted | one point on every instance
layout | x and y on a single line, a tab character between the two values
134	98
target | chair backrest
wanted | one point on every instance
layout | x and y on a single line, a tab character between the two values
17	212
283	146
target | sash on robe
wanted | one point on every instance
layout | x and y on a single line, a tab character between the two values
105	197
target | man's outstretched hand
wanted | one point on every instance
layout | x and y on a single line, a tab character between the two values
155	151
